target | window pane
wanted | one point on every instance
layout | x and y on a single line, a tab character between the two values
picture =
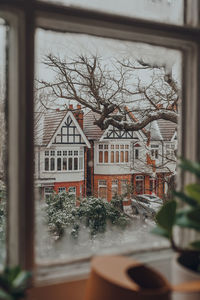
64	164
59	164
52	164
167	11
105	156
100	156
112	160
75	163
101	164
3	142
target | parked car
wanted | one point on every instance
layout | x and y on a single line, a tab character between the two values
143	209
150	198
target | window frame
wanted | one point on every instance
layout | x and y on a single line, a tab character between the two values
23	16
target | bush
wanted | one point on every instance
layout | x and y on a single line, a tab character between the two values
95	214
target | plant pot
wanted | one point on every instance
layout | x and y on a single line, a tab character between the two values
182	273
121	278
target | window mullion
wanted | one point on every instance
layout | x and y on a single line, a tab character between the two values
20	138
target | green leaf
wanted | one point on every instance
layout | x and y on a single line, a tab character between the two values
194	215
166	216
5	296
160	231
192	167
193	191
183	220
21	279
196	245
186	198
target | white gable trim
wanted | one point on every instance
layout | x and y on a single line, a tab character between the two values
70	114
140	135
174	136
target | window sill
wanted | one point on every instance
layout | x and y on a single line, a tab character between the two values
68	281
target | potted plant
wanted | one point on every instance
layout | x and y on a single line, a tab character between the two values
13	283
173	214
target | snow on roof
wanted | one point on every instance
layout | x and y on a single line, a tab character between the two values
155	131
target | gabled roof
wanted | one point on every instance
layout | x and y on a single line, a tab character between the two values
167	129
93	132
54	121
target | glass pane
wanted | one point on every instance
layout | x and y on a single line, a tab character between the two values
78	77
3	145
167	11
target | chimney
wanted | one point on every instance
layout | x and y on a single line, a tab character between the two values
79	115
71	107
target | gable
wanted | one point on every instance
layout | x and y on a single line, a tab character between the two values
114	133
69	132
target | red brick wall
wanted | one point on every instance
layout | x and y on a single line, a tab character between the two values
109	179
77	184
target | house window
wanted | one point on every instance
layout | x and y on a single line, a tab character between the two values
112	157
105	156
70	163
124	186
114	188
80	163
46	153
46	167
102	189
139	184
100	156
64	163
59	153
136	153
47	192
75	163
61	189
52	168
110	153
52	152
156	154
117	156
72	191
59	164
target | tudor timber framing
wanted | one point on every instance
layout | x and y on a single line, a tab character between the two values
22	15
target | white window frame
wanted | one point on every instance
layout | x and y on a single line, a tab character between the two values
22	16
61	189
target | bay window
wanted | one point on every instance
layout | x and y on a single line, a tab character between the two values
23	17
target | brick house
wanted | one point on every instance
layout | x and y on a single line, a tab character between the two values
76	156
120	161
60	162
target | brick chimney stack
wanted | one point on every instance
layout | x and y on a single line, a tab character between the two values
79	115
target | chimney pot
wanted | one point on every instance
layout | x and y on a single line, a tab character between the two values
78	106
71	106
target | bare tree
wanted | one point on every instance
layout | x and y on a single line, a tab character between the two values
105	88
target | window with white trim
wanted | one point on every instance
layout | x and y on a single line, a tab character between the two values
63	161
102	189
48	191
113	153
61	189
